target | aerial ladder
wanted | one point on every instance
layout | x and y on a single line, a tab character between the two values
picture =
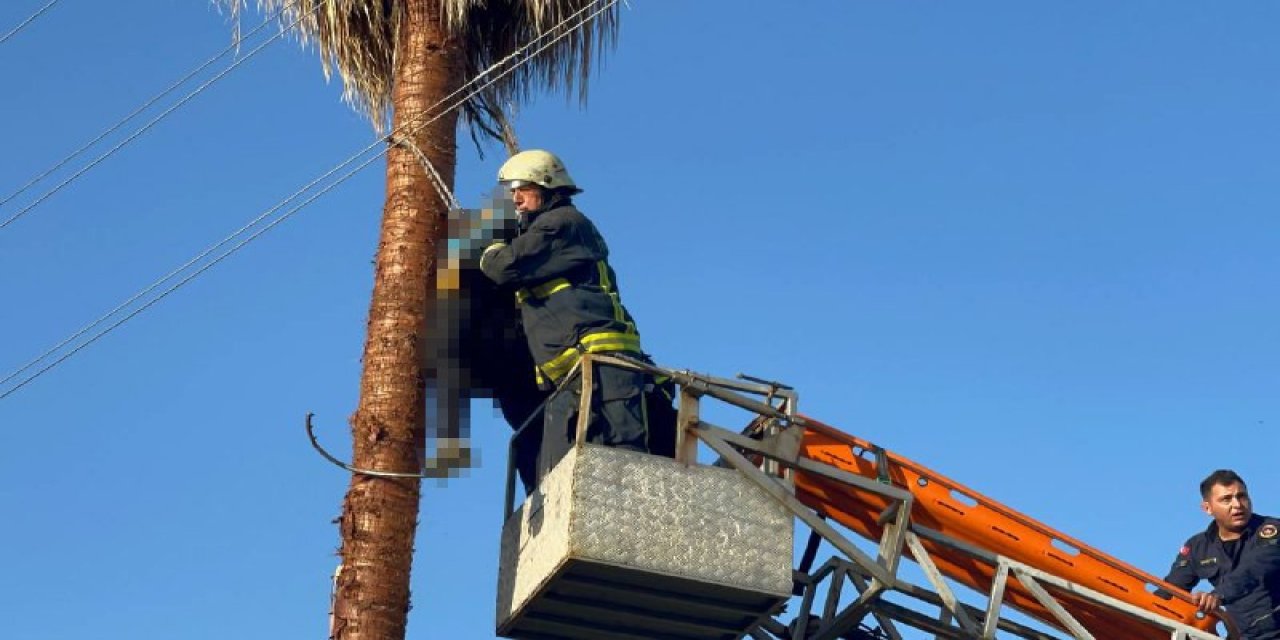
620	545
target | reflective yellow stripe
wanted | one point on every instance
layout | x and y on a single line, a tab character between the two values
545	290
559	284
557	367
619	314
541	291
609	336
603	270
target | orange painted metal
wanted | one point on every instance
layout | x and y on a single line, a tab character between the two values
962	514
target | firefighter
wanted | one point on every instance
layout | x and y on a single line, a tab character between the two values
569	305
1239	554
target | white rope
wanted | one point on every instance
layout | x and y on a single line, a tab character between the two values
288	213
442	189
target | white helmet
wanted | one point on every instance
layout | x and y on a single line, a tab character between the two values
539	167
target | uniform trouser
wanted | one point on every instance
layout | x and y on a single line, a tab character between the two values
526	446
1254	634
1263	630
621	404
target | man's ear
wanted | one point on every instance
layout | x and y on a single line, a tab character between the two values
1204	506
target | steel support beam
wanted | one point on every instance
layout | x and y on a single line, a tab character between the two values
780	493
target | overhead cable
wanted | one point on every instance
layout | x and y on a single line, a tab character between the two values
151	123
32	18
519	61
146	105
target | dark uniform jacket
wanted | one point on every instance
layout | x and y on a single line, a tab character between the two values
567	293
1249	585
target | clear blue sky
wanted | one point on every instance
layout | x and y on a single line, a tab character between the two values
1031	245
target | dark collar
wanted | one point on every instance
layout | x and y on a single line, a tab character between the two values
555	202
1255	521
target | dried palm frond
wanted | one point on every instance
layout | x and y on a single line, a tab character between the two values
494	29
356	38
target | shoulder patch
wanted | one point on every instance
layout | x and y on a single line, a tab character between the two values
1268	531
1184	551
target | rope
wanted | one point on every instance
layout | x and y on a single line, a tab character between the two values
422	475
442	189
22	25
285	202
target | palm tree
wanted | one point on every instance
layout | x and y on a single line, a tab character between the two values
397	60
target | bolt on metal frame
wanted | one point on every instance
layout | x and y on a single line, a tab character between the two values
777	445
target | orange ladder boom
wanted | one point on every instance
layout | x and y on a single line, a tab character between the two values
945	510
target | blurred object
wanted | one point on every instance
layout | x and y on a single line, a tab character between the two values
474	347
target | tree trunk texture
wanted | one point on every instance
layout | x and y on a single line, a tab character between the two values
379	516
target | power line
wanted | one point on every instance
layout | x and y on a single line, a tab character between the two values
146	105
32	18
285	216
151	123
288	214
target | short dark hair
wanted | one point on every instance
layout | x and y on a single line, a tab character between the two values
1224	477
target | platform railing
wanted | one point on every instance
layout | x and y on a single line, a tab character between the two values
769	453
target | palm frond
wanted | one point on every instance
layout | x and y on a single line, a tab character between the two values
494	29
357	39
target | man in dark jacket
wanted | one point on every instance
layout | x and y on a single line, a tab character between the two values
570	305
1238	554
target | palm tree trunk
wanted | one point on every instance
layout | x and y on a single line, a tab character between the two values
379	516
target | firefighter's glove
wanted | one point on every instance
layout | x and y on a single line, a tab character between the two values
489	253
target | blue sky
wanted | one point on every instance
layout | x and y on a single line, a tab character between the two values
1030	245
